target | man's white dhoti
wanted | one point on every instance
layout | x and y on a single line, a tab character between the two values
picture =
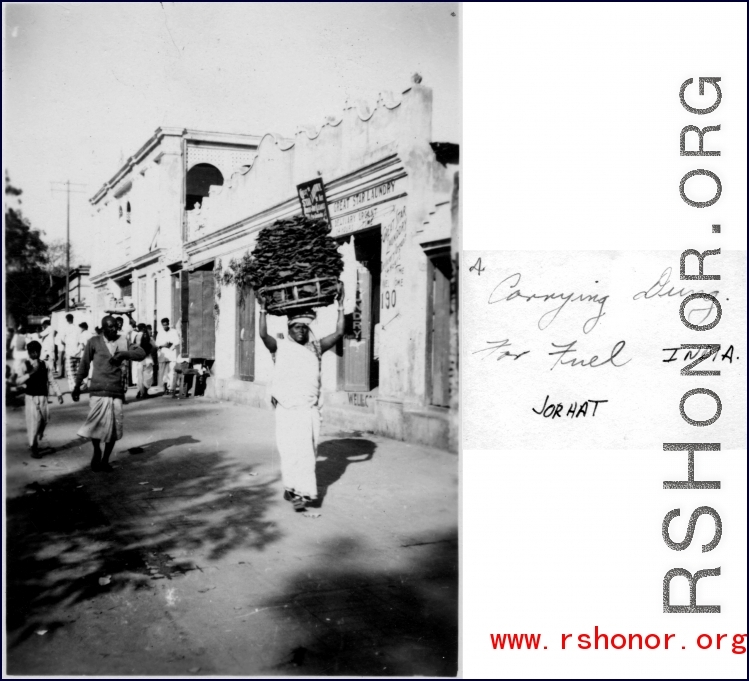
144	375
167	374
71	368
296	389
37	415
104	421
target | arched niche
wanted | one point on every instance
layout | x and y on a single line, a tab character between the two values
200	178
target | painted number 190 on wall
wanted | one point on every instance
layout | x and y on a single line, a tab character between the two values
388	300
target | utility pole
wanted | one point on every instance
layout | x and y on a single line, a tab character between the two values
68	190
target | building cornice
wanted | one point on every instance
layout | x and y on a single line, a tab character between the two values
237	139
228	138
126	267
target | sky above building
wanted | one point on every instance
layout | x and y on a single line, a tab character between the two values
86	84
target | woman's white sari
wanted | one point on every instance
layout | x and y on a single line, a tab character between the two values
296	389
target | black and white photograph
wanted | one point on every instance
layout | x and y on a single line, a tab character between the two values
375	340
231	399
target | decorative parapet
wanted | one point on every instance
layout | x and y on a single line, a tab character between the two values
363	109
286	162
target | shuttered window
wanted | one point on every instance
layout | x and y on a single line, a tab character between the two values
438	330
201	324
126	289
178	319
245	338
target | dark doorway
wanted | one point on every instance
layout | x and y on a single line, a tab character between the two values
361	366
126	287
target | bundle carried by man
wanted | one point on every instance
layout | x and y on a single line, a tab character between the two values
120	305
295	264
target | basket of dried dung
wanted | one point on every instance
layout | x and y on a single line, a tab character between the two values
295	264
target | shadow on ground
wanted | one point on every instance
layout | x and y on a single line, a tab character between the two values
65	536
356	607
334	457
389	620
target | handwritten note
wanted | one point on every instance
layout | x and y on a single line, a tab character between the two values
584	349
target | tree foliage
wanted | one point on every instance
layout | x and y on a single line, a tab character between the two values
56	258
27	282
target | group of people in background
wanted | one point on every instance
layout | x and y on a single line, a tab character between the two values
115	352
161	356
59	350
62	351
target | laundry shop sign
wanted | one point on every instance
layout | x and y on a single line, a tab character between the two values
363	209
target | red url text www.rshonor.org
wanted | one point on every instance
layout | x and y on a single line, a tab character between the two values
736	643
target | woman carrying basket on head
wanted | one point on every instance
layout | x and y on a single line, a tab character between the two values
296	397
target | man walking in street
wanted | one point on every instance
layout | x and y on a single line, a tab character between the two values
84	334
296	397
38	380
71	349
127	333
47	339
20	355
144	370
167	342
59	355
106	353
10	332
154	354
83	337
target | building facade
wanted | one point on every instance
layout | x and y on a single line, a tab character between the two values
392	196
79	300
143	213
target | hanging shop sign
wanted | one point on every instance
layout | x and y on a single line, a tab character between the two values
312	197
357	317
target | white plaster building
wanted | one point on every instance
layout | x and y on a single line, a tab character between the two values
144	212
392	197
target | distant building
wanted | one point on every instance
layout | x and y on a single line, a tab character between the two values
80	297
143	213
